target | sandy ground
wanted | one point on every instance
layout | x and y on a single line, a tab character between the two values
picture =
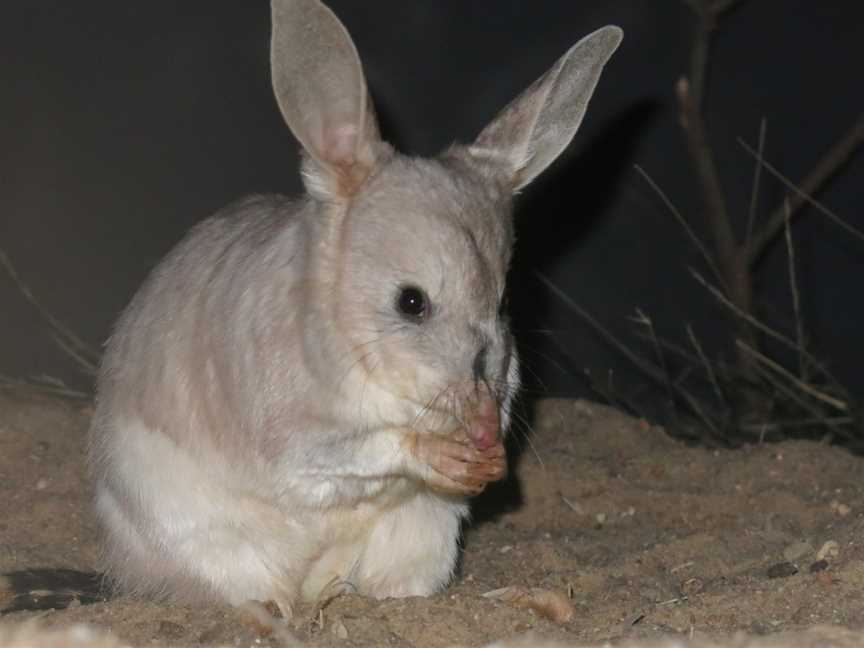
644	537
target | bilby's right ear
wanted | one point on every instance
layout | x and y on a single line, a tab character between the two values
321	91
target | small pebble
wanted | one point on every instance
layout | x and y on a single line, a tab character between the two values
840	508
782	570
830	549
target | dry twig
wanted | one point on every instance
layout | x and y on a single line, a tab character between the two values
826	168
86	357
42	385
767	330
800	384
649	369
694	238
757	178
796	298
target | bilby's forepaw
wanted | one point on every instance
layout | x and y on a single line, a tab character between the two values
457	466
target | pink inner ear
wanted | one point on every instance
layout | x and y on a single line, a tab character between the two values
340	144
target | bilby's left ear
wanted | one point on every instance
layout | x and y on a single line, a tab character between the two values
537	126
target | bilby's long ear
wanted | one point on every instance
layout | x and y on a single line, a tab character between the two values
532	131
321	91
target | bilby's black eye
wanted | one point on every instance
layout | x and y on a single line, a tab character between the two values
412	304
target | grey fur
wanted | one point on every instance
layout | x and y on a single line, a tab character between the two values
266	420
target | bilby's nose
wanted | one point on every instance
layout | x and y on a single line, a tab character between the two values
485	427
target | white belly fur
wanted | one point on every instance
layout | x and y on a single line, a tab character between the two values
192	528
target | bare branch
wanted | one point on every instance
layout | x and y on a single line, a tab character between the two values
80	351
643	320
796	298
780	425
800	384
639	362
828	166
697	242
712	376
757	178
767	330
712	193
797	398
43	386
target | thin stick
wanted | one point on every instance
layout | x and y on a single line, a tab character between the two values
796	298
699	54
780	425
800	384
828	166
712	377
697	242
640	363
644	320
776	335
41	386
83	354
796	397
757	177
690	92
729	372
713	197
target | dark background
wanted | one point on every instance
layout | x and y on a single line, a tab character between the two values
123	124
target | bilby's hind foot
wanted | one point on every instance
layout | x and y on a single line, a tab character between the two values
266	620
332	590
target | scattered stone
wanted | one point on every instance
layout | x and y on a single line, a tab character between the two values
840	508
782	570
830	549
818	566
